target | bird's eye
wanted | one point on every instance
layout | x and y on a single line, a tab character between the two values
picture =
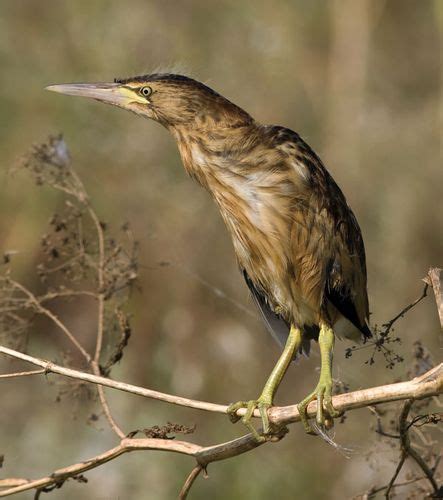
145	91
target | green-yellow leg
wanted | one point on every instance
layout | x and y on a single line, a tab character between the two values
267	396
323	391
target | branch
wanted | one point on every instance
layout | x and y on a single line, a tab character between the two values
427	385
50	367
189	482
434	278
408	451
22	374
46	312
61	475
388	326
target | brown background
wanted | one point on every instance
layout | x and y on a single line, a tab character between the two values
361	81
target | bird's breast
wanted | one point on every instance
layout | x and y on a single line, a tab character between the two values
255	193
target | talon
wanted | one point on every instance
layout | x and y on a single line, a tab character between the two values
332	412
329	423
232	410
262	405
325	410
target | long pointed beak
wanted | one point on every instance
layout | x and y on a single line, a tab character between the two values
111	93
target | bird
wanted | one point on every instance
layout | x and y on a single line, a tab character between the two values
296	240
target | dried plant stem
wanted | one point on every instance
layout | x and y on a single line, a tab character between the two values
100	321
104	403
374	491
387	326
101	282
22	374
189	482
408	451
46	312
125	446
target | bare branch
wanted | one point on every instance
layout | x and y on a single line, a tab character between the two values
101	297
408	451
133	389
113	424
46	312
22	374
407	448
126	446
435	278
189	482
388	326
427	385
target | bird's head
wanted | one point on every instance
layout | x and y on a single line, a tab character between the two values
172	100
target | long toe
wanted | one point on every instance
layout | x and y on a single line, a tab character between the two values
325	410
250	406
303	410
232	410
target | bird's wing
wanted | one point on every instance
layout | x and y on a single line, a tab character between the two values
326	242
346	272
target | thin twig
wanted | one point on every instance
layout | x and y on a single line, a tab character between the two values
396	473
408	451
388	326
46	312
101	282
22	374
100	321
66	293
374	491
133	389
104	403
189	482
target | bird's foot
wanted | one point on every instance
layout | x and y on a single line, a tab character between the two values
325	410
262	404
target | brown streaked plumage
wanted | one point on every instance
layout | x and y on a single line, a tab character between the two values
296	240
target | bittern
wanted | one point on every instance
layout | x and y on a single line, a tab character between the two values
297	242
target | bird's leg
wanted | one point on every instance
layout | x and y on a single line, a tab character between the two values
323	391
267	396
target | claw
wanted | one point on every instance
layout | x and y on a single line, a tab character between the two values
262	405
232	410
325	410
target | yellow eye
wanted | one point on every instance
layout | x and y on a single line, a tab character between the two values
145	91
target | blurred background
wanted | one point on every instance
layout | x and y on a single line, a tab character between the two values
360	81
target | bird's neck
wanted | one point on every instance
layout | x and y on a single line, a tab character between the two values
210	152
